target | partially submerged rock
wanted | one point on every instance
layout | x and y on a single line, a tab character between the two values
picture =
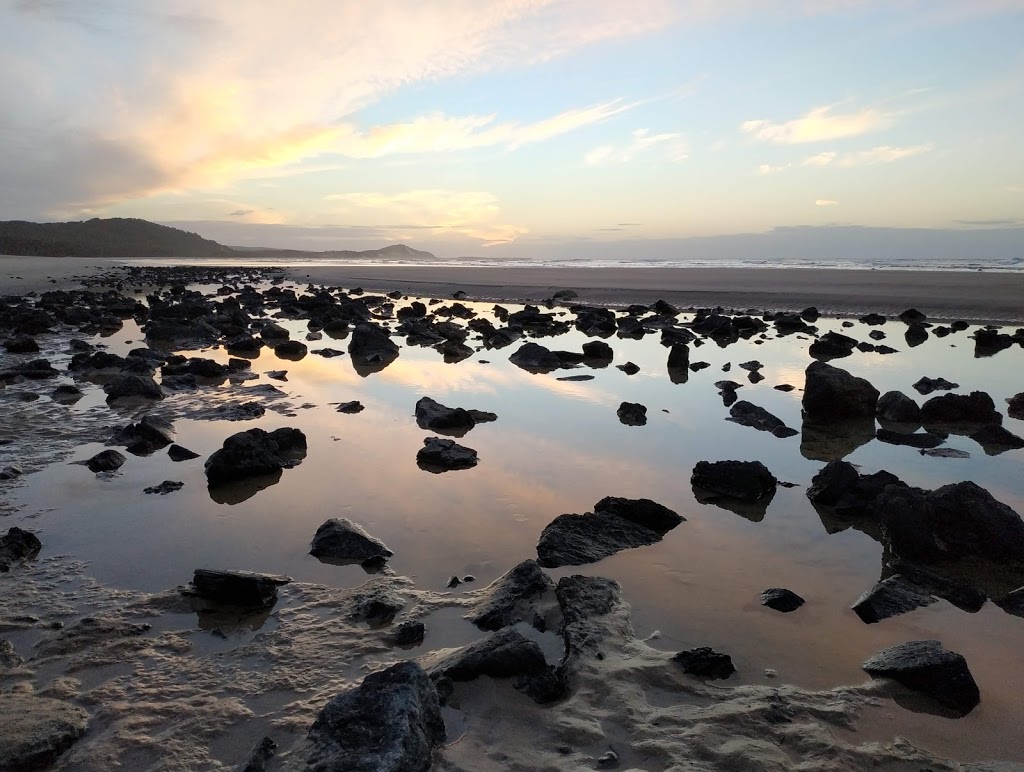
960	413
503	654
747	414
339	540
781	599
390	722
891	597
167	486
896	407
743	487
253	453
105	461
926	385
236	588
431	414
928	668
632	414
535	358
705	662
832	393
133	387
179	453
17	545
615	525
440	455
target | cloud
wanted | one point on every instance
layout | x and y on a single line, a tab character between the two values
672	144
770	169
819	125
885	154
1006	223
464	213
821	159
826	202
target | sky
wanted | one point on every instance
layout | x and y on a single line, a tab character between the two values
515	127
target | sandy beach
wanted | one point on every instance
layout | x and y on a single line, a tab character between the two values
980	296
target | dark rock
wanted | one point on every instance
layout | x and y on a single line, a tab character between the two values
889	598
341	540
754	416
679	357
355	406
35	731
576	378
390	722
455	421
17	545
872	319
453	581
36	370
535	358
253	453
236	588
705	662
831	393
376	604
832	345
928	668
810	314
915	335
916	440
990	342
66	393
963	596
371	349
944	453
781	599
278	375
273	331
828	440
960	411
260	756
132	386
743	480
953	522
1016	406
502	654
291	349
328	353
512	597
441	455
105	461
598	351
148	435
566	294
409	634
616	524
581	598
927	385
167	486
897	407
178	453
912	316
629	368
632	414
22	344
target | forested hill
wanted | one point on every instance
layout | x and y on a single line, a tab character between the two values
115	237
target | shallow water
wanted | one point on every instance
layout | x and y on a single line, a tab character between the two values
557	447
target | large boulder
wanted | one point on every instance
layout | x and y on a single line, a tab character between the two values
105	461
391	722
928	668
891	597
833	393
512	597
502	654
896	407
341	540
614	525
747	481
371	348
35	731
253	453
954	522
133	387
535	358
236	588
17	545
961	413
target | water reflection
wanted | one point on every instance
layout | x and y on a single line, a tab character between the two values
237	491
836	440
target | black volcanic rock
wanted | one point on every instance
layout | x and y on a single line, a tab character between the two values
891	597
742	480
253	453
928	668
341	540
17	545
441	455
960	411
747	414
781	599
133	386
511	597
705	662
632	414
831	393
535	358
236	588
897	407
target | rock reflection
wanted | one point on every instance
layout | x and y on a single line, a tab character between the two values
833	441
236	492
754	511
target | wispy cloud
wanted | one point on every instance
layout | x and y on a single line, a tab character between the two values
821	159
822	124
673	146
826	202
474	214
883	154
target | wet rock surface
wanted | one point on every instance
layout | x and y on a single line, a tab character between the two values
254	453
705	662
341	540
17	545
441	455
928	668
236	588
833	393
512	597
35	731
756	417
781	599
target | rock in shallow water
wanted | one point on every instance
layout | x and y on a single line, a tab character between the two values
17	545
781	599
339	539
391	722
105	461
511	597
833	393
439	455
255	452
705	662
928	668
747	481
747	414
35	731
889	598
237	588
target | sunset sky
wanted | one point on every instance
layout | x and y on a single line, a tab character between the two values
470	127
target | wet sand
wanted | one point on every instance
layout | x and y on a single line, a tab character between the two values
978	296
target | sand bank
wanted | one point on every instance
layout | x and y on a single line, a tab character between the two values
979	295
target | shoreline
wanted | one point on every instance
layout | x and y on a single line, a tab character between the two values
946	295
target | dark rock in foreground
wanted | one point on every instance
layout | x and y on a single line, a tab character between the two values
889	598
705	662
503	654
954	522
236	588
17	545
616	524
832	393
339	539
253	453
781	599
632	414
260	756
35	731
105	461
511	597
928	668
439	455
391	722
756	417
409	634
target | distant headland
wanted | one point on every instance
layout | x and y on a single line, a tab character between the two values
133	237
